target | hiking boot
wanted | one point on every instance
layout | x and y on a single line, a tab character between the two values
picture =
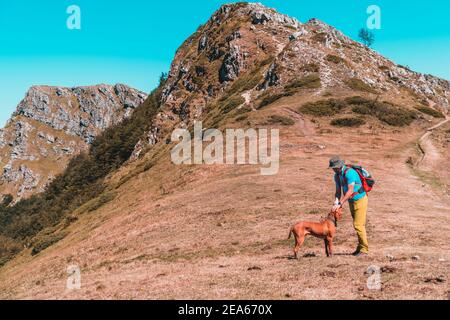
356	253
360	254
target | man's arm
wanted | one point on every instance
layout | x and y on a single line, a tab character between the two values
348	195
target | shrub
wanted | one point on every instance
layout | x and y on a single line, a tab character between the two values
310	67
232	103
277	119
358	84
8	248
335	59
243	109
245	82
386	112
348	122
431	112
395	116
320	37
99	202
362	109
46	242
323	108
309	82
242	118
271	98
357	100
7	200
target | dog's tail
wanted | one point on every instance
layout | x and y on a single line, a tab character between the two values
290	233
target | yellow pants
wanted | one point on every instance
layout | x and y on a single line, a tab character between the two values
359	214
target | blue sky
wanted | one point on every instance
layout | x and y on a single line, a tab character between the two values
133	41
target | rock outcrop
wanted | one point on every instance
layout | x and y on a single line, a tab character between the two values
53	124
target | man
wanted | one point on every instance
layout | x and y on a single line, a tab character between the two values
349	188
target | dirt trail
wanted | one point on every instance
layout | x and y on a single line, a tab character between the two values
429	152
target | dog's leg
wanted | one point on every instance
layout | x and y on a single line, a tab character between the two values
326	248
298	244
330	246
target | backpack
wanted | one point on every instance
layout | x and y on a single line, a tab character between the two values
368	182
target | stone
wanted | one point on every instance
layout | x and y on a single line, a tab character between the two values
231	65
203	43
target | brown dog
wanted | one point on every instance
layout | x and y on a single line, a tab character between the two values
326	229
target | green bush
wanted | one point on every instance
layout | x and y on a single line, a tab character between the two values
363	109
47	242
386	112
232	103
7	200
348	122
271	98
8	248
245	82
100	201
334	59
242	118
309	82
320	37
431	112
323	108
357	100
277	119
359	85
310	67
395	116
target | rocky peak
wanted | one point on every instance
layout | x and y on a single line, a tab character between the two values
80	111
258	13
51	125
246	50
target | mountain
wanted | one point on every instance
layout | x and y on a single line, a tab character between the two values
53	124
247	53
138	226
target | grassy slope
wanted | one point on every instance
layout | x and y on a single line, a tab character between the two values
194	232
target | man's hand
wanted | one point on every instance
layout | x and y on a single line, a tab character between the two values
337	205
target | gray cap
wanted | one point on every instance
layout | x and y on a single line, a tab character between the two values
336	162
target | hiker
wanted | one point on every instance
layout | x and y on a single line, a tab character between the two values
349	187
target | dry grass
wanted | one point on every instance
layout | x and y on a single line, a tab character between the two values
187	243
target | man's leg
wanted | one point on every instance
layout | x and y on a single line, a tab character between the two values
359	214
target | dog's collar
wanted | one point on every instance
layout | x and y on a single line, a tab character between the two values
332	219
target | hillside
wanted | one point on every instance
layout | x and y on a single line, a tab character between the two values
52	125
141	227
